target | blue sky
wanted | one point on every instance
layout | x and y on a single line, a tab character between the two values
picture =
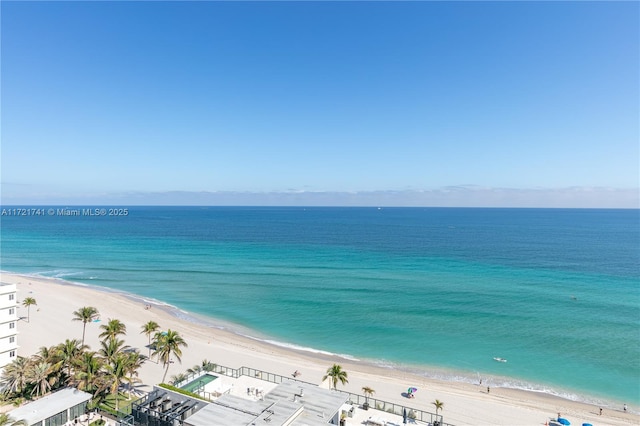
330	103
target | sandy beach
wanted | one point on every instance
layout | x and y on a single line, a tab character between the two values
464	404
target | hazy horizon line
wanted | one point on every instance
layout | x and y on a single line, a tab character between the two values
450	196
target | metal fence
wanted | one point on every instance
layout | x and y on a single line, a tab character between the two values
353	398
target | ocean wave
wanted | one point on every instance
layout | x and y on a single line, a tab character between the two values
304	348
436	373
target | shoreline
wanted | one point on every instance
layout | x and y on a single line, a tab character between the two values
429	372
224	346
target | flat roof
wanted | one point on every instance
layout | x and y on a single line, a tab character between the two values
50	405
282	406
320	405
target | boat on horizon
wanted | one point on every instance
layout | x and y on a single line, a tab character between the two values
499	359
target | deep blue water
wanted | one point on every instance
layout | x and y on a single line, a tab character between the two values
440	291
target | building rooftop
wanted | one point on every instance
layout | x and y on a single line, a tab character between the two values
50	405
290	402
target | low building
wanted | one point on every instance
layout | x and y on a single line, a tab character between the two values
289	403
55	409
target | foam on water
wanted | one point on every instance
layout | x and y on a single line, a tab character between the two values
438	291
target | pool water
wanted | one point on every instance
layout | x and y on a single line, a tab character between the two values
199	383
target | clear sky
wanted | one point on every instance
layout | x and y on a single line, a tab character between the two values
331	103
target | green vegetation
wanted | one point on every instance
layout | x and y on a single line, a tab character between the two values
181	391
6	420
104	374
27	302
336	373
85	314
168	346
367	392
148	329
439	405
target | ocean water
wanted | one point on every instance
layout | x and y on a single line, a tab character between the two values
438	291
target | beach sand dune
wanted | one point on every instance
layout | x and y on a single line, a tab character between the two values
464	404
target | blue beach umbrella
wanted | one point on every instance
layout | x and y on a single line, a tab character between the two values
563	421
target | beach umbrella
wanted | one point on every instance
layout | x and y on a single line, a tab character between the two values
404	416
412	390
563	421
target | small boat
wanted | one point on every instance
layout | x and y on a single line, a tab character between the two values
500	359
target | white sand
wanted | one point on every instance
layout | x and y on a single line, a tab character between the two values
464	404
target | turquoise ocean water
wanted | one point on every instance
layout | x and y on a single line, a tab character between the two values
437	291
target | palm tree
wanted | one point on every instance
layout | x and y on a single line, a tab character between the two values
336	373
113	329
208	365
40	374
167	345
7	420
69	351
115	375
15	375
27	302
85	314
177	378
52	356
88	372
367	392
112	347
195	370
439	405
148	329
134	362
49	354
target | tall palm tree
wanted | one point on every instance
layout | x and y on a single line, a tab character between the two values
112	347
52	356
85	314
88	372
439	405
49	354
69	351
148	329
133	363
15	375
336	373
7	420
113	329
115	375
367	392
27	302
167	345
40	374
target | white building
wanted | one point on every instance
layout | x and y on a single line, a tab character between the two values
8	324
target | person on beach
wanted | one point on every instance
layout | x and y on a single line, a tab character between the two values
600	410
488	389
625	408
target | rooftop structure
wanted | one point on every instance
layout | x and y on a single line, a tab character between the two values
289	403
54	409
245	396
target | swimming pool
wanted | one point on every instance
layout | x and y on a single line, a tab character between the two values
199	383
